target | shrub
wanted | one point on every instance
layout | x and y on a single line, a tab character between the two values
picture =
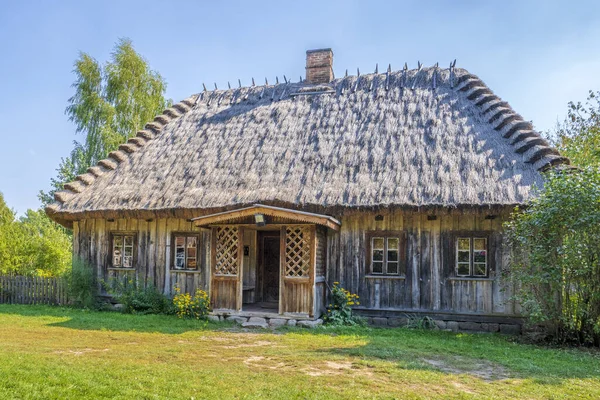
339	311
191	307
555	258
137	299
419	322
82	285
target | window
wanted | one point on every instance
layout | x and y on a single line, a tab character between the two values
185	251
122	250
471	257
385	255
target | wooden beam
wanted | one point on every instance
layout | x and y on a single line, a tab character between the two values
297	216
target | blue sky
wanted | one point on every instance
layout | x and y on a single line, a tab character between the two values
537	55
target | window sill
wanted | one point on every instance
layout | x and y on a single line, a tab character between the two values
186	271
397	277
121	269
467	278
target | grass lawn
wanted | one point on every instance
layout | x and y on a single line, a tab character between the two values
58	353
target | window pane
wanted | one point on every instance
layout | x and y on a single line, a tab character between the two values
117	259
128	251
479	244
378	243
463	256
378	268
191	246
479	269
479	256
191	263
392	255
128	240
392	243
179	262
392	268
179	241
377	255
118	241
464	244
463	269
127	261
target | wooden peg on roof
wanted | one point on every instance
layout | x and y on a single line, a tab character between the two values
419	67
240	83
357	80
204	86
404	72
253	82
266	81
262	93
285	79
435	68
387	77
277	80
216	88
451	77
228	85
345	76
300	78
376	68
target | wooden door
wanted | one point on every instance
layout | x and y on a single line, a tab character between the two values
226	271
298	269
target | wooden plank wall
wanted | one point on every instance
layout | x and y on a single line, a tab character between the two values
429	283
33	290
91	242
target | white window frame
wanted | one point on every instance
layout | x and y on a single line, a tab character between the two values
472	262
385	261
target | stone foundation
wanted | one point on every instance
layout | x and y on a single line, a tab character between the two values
451	325
265	322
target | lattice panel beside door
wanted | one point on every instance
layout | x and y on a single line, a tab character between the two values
227	251
297	251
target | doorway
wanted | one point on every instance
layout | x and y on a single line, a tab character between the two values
268	255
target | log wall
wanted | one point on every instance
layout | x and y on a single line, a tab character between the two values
152	254
430	283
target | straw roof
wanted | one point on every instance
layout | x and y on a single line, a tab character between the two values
428	137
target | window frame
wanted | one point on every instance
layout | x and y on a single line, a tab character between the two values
370	236
472	236
187	235
123	234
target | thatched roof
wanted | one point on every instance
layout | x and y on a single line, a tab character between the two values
429	137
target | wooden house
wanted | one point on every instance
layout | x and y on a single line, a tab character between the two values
395	184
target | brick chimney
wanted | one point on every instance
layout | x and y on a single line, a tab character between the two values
319	66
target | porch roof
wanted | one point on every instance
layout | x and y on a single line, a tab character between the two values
294	215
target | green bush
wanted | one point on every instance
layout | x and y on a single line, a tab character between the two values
137	299
82	284
339	310
555	256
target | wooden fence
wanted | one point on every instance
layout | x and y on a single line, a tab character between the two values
32	290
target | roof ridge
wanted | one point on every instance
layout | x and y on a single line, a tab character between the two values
510	124
151	130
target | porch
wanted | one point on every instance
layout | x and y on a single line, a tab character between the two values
268	262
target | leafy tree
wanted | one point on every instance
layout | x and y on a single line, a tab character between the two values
556	255
7	237
47	245
33	244
110	104
578	137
